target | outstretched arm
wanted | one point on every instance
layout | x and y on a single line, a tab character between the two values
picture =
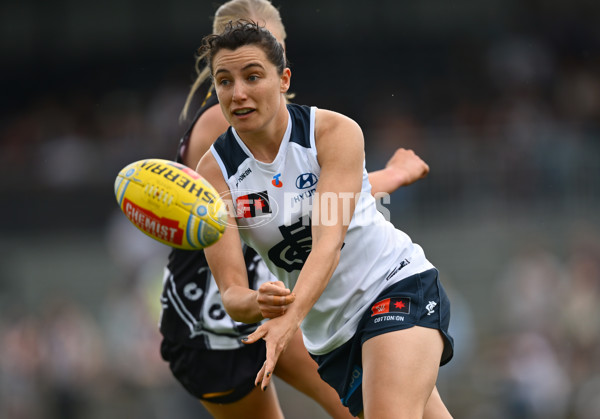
404	168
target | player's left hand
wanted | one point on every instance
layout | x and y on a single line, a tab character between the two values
277	333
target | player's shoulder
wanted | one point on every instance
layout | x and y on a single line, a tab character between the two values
336	128
328	119
210	125
207	128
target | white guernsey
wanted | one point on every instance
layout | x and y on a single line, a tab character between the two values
273	210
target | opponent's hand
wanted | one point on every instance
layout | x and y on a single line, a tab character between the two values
277	334
273	299
408	166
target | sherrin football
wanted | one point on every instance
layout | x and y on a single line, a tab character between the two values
171	203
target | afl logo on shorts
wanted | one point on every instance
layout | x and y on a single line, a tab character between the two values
306	180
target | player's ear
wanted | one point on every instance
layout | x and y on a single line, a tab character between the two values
286	77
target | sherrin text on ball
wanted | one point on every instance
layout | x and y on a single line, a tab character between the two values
171	203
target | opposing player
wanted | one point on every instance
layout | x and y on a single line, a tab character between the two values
200	341
371	308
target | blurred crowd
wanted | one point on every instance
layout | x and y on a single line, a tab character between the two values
516	120
70	140
521	136
65	359
544	355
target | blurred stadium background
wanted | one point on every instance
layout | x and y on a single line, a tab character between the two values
500	97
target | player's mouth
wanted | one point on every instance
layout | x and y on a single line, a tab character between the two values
242	112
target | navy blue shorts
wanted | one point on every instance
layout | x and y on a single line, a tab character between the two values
419	300
217	376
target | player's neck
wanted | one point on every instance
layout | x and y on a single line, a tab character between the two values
265	143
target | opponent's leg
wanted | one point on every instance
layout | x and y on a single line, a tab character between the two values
298	369
257	404
400	369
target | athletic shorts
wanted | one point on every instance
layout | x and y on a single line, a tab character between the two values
418	300
217	376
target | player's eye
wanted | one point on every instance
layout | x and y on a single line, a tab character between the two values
253	77
223	82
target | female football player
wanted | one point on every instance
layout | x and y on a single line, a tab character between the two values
200	341
370	306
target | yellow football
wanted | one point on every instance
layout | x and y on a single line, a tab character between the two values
171	203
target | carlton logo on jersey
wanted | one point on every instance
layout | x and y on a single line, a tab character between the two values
293	250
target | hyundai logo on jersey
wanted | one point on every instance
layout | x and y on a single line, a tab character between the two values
306	180
276	182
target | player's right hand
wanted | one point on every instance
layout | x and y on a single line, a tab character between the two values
273	299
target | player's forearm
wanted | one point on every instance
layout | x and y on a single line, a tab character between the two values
240	303
313	278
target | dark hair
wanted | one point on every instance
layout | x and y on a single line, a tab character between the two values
240	33
257	10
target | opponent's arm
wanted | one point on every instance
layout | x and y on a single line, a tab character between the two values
404	168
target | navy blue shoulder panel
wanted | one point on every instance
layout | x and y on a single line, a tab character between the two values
230	152
300	115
